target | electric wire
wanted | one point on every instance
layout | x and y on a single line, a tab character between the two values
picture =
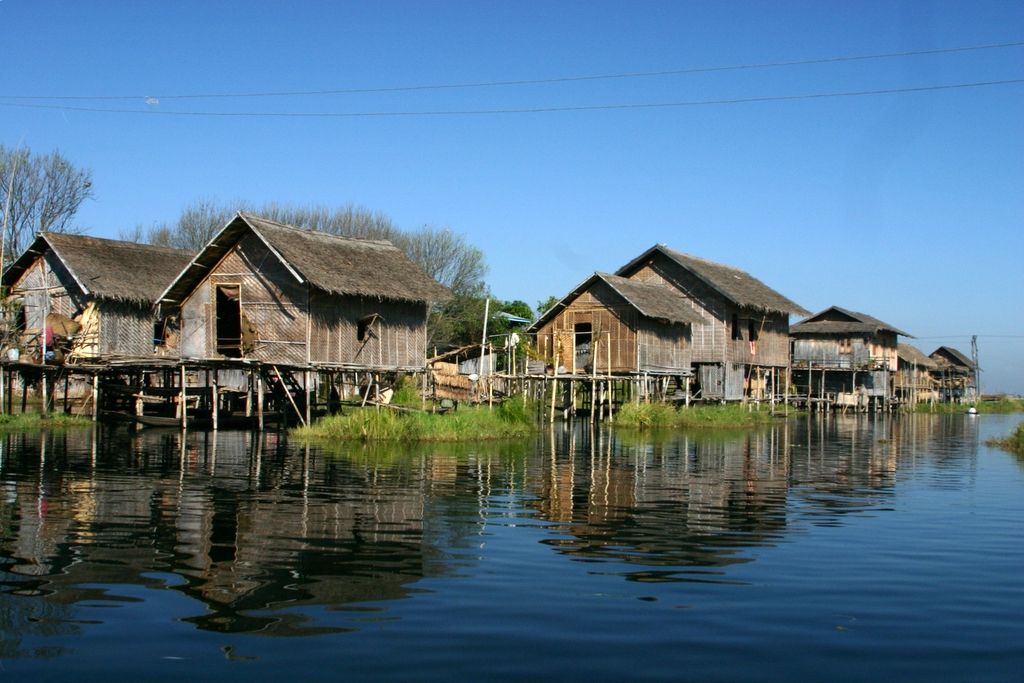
522	110
538	81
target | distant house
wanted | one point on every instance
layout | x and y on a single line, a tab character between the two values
86	298
914	382
616	325
277	294
954	373
855	352
741	340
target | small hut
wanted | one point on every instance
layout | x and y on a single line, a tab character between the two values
280	295
740	346
854	353
84	299
955	375
914	382
613	325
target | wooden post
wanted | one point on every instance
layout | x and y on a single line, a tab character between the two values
608	371
44	406
259	400
181	398
305	390
67	381
3	389
215	402
572	382
96	398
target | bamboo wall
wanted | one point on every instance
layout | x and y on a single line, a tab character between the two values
712	340
662	347
397	337
282	311
847	352
114	328
271	300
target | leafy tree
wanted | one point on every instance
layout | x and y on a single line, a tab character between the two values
38	192
544	305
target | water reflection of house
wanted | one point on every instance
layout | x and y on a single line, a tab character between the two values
665	508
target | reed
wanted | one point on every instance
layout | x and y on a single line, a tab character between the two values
28	422
508	421
1014	443
664	416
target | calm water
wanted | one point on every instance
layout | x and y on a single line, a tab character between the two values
853	548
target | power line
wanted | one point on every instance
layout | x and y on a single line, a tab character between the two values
537	81
522	110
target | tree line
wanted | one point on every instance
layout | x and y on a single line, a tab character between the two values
43	192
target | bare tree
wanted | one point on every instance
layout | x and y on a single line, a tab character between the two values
441	252
38	192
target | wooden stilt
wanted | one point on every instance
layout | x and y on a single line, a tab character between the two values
95	398
259	400
182	406
214	402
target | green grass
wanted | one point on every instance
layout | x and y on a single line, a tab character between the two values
510	420
1002	406
665	416
1014	443
36	421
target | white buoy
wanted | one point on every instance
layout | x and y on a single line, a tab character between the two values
972	411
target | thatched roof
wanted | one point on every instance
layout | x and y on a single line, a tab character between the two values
947	355
334	264
106	269
649	299
913	355
840	321
739	287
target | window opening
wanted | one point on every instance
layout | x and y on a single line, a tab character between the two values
737	331
752	330
364	328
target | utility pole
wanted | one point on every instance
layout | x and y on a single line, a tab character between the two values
977	369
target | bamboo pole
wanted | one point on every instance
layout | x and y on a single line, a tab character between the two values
181	401
215	403
611	386
45	405
95	398
259	400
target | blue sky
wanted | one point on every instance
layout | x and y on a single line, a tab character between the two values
907	206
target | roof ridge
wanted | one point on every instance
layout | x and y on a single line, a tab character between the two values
319	233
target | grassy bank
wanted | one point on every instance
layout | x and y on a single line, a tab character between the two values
508	421
664	416
33	421
1002	406
1014	443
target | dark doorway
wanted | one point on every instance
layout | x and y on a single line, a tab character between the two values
583	334
229	321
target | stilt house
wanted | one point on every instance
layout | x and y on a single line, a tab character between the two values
853	352
82	299
277	294
741	340
954	373
914	382
614	325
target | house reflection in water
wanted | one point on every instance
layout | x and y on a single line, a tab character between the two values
287	540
